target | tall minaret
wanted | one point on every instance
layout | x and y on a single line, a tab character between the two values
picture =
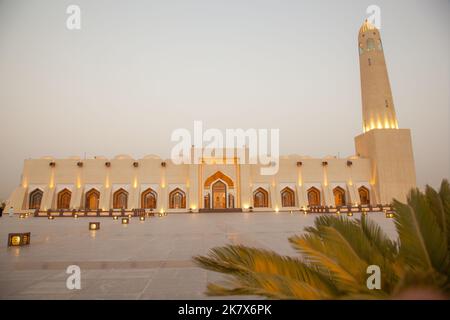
377	103
388	148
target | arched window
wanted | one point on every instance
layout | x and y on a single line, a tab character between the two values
364	195
260	198
64	197
92	199
287	197
120	199
313	197
370	44
148	199
339	196
35	199
230	201
177	199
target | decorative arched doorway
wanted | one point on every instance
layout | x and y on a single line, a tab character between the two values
287	197
92	199
364	195
148	199
260	198
219	193
120	199
64	197
36	199
339	196
177	199
313	197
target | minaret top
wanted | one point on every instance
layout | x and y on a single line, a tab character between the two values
366	26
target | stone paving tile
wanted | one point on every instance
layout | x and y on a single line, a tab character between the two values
143	260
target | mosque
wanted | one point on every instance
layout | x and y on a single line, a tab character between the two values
381	169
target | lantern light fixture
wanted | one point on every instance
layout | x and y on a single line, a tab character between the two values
19	239
93	226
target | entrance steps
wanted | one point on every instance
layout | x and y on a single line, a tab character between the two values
220	210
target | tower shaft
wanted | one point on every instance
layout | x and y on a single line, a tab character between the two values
377	102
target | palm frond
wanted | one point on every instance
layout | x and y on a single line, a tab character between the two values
444	194
422	242
250	267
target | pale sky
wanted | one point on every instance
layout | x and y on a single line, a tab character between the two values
137	70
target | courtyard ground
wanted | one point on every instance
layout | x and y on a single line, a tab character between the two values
142	260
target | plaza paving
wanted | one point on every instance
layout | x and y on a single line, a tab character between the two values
142	260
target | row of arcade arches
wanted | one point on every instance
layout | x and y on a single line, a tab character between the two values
149	199
261	197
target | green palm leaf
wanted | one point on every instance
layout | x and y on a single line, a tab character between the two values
254	268
422	242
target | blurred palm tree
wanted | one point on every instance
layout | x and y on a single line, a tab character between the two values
335	254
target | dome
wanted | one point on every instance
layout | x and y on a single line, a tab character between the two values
152	156
366	27
122	157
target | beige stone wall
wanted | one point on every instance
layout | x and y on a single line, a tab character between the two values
149	173
392	162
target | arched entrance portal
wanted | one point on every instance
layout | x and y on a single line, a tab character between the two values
219	191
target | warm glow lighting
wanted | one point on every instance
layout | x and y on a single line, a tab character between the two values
277	210
142	218
22	216
350	214
75	216
18	239
15	241
94	226
115	218
51	217
125	220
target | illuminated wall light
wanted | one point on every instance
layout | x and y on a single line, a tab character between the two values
350	214
379	125
115	218
50	217
277	210
142	218
125	221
